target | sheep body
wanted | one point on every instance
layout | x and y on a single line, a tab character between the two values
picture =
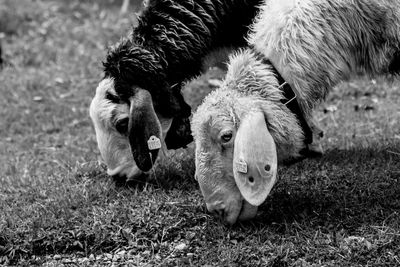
169	44
313	45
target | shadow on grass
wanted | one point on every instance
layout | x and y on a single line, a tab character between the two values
174	171
344	189
342	192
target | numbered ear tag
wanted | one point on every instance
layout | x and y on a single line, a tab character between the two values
241	166
154	143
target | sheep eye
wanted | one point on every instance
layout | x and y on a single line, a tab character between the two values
226	137
122	126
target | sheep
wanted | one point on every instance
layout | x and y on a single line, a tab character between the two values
139	99
298	50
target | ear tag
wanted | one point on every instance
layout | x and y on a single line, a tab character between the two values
241	166
154	143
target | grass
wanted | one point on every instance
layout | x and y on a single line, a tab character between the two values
57	203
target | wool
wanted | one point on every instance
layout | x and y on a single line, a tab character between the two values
169	43
315	44
249	85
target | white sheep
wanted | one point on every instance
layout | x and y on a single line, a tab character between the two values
243	129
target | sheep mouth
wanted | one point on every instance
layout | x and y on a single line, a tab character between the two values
247	212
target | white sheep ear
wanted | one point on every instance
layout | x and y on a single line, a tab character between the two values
255	160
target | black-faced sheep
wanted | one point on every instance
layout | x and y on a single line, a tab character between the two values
140	95
245	128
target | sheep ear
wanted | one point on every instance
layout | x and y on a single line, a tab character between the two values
179	135
255	159
144	130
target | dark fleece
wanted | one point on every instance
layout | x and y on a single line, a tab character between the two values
167	47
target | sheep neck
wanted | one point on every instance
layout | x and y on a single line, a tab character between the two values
290	98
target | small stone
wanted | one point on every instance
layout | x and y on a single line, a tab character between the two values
91	257
190	255
59	80
57	257
109	256
37	98
122	252
181	246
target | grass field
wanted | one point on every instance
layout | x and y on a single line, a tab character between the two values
58	206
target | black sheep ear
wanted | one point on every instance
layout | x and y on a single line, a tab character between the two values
143	129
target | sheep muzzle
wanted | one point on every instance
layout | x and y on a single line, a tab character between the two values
221	194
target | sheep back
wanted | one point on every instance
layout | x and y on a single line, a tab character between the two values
315	44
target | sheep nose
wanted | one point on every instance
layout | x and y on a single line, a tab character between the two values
217	210
221	212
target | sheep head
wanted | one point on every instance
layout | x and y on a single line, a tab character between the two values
240	132
135	105
236	158
124	129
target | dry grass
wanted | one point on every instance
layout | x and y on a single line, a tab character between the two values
55	198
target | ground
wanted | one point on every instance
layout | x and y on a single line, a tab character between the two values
58	206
